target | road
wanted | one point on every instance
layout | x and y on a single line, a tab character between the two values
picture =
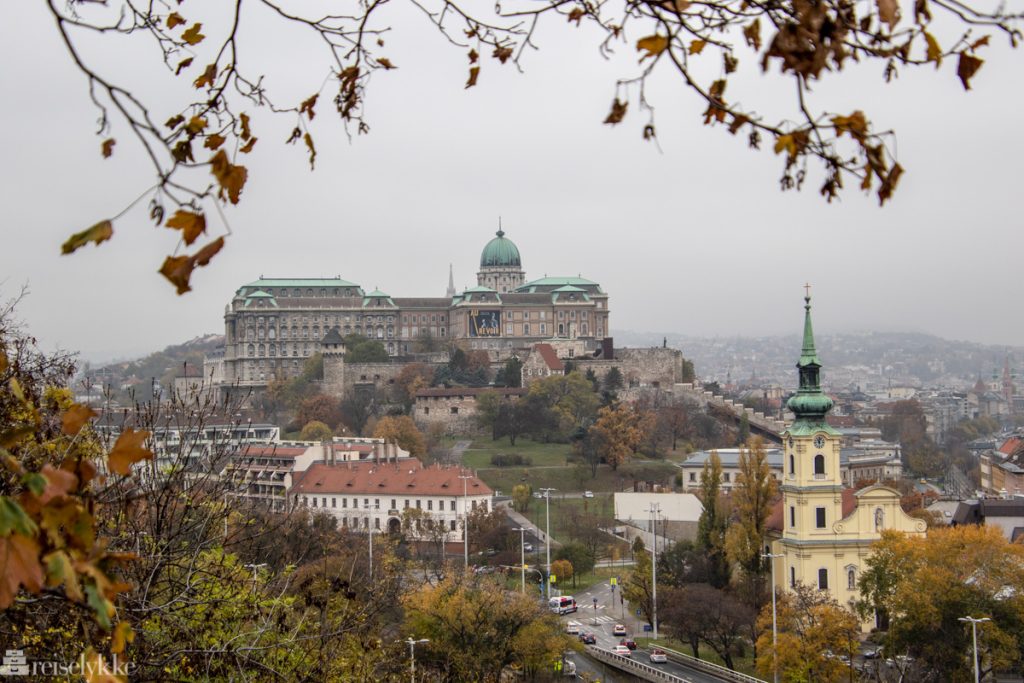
600	618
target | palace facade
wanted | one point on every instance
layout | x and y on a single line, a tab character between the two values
272	325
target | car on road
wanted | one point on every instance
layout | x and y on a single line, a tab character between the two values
628	642
618	630
588	638
573	628
538	494
588	494
658	656
527	547
622	650
873	653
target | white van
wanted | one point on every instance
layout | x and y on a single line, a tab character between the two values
565	604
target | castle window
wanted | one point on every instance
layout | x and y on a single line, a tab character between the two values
543	328
561	315
561	329
526	328
823	579
819	466
851	579
251	350
452	525
819	517
455	410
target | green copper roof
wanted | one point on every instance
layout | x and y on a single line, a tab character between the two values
479	288
259	294
377	293
301	282
569	288
809	404
559	282
500	252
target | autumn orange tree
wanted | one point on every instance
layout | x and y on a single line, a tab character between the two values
197	145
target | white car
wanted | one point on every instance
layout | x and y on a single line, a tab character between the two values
573	628
622	650
658	656
588	494
618	630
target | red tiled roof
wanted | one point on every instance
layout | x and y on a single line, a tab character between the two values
547	353
270	451
407	477
1011	445
469	391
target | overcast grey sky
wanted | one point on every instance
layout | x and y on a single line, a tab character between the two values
695	239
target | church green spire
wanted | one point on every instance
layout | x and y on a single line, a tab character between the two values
809	404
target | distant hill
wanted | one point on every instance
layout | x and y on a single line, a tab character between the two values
158	368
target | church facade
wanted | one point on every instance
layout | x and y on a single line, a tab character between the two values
821	531
272	325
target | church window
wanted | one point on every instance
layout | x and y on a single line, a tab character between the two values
792	516
851	579
819	517
792	577
792	464
819	465
823	579
879	519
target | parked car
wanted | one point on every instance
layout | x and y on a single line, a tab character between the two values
528	547
573	628
538	494
628	642
873	653
618	630
658	656
588	494
588	638
622	650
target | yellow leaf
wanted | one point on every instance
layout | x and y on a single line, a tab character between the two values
75	417
182	65
195	126
230	177
785	142
312	150
856	124
191	224
207	77
123	634
173	19
653	45
934	51
697	46
60	570
128	450
108	147
101	232
193	36
213	141
175	121
178	269
474	71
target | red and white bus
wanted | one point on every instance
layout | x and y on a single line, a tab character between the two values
565	604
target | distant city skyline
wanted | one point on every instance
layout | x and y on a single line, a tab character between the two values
695	238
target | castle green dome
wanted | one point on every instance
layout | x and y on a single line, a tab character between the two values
500	251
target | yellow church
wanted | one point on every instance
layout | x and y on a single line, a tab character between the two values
821	532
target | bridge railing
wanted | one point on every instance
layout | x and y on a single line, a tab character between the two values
639	669
709	667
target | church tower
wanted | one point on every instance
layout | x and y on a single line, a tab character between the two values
823	531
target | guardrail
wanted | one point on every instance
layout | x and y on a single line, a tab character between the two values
708	667
644	671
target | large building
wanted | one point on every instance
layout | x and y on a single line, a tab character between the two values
823	531
272	325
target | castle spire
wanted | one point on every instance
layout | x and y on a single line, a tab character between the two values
451	282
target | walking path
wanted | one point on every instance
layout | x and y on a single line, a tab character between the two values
525	523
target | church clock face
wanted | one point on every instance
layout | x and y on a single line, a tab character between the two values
819	441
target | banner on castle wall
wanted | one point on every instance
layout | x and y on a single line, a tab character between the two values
484	323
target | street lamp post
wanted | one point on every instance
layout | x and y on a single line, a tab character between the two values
412	656
547	533
775	628
465	520
974	635
655	510
255	568
522	555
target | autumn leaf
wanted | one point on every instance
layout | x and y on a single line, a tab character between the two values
123	634
203	256
617	113
182	151
101	232
653	45
191	224
885	190
19	566
247	147
182	65
230	177
474	71
173	19
386	63
934	51
57	483
473	56
752	32
889	12
979	42
787	143
128	450
175	121
312	150
208	76
195	125
502	53
967	67
178	269
108	147
59	569
213	141
307	106
855	124
192	36
75	417
576	14
14	520
697	46
246	132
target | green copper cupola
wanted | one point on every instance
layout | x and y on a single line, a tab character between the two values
809	404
